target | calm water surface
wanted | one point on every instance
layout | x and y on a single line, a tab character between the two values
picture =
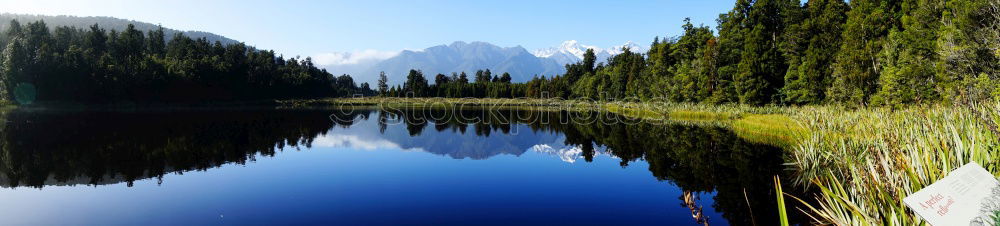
367	167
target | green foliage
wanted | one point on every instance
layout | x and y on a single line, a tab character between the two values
762	66
693	77
383	84
732	31
857	66
810	48
96	66
909	56
880	52
968	43
416	84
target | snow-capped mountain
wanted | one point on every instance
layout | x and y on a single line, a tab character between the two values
568	52
632	46
463	56
572	51
467	57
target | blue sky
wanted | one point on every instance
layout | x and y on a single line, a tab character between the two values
310	28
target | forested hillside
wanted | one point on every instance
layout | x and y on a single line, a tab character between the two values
95	65
109	23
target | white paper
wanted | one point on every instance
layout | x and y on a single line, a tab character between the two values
967	196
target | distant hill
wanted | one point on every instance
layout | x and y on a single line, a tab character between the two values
108	23
467	57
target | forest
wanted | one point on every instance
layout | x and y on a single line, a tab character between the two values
762	52
866	52
93	65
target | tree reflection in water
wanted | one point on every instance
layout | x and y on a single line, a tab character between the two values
42	148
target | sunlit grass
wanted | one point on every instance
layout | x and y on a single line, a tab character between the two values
865	161
774	129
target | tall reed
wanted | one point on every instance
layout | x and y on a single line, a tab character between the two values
865	161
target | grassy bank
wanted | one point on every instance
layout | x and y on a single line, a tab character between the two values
863	161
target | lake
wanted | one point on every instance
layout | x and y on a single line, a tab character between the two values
356	166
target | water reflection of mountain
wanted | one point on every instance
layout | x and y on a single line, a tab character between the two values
458	139
44	148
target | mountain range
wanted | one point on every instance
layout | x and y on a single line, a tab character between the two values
469	57
465	57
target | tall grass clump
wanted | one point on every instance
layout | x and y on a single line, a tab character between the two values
774	129
865	161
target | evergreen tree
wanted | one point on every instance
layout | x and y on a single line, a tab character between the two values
693	70
480	77
383	83
416	84
156	43
732	31
811	47
505	78
762	66
463	78
589	60
909	56
441	79
74	65
968	41
857	65
14	64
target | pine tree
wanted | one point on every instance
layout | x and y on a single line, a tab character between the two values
441	79
463	78
505	78
910	55
690	81
416	84
811	48
732	32
968	41
480	78
857	66
383	83
156	43
762	66
13	64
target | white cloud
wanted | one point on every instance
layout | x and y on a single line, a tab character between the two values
352	141
358	56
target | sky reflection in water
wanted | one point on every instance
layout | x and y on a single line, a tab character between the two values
217	167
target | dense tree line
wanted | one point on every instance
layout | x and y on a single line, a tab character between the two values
484	85
68	64
881	52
